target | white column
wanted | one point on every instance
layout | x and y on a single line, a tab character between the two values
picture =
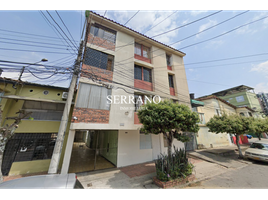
68	152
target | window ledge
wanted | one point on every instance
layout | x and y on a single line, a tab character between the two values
143	63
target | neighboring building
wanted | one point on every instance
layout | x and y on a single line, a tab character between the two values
119	61
213	105
241	96
31	147
263	99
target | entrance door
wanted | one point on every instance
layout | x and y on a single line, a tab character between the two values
94	150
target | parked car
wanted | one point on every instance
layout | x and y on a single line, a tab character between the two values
50	181
258	151
249	136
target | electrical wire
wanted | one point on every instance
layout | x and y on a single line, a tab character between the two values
74	45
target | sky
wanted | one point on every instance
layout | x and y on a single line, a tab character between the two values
236	56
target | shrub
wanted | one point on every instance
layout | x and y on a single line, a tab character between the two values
172	167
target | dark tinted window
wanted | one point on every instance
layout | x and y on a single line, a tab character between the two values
259	146
137	72
147	75
170	79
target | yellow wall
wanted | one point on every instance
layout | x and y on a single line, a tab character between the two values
205	138
11	106
28	167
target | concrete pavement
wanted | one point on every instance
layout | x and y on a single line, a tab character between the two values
208	163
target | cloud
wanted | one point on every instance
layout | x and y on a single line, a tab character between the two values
245	30
261	68
191	70
145	20
261	87
198	12
206	25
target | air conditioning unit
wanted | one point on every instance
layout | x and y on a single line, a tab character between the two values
64	95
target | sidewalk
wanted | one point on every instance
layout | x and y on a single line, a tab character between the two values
140	176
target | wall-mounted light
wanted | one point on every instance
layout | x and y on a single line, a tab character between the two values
126	113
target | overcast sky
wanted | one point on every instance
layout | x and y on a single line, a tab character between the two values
249	43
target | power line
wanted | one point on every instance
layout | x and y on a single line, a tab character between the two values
160	22
62	30
54	28
223	33
65	26
7	49
190	36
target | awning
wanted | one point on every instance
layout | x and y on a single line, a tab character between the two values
31	99
196	103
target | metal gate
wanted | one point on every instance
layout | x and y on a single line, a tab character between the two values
191	145
27	147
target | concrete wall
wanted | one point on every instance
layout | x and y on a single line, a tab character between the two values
129	151
204	138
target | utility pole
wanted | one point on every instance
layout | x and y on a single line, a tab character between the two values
53	167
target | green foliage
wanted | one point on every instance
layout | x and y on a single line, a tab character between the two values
259	126
167	116
171	119
234	124
174	166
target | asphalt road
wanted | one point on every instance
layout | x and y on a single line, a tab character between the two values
253	176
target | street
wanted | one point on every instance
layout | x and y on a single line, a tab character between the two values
253	176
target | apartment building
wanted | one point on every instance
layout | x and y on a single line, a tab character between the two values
122	69
263	99
241	96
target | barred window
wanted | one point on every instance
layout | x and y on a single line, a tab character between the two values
28	147
170	79
142	73
98	59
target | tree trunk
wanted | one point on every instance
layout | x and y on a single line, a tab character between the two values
1	159
170	140
238	146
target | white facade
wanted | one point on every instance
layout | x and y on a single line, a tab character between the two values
121	117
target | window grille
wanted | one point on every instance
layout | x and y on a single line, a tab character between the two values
142	73
28	147
98	59
170	79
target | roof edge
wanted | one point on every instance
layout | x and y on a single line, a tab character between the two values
136	32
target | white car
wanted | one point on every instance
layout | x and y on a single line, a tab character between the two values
258	151
50	181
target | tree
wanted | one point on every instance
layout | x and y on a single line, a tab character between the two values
259	126
171	119
7	131
234	124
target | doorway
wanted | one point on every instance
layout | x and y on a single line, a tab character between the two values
93	150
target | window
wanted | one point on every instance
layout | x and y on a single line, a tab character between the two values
250	114
170	79
242	114
202	118
168	60
142	73
194	109
165	141
103	32
93	96
259	146
138	72
28	147
98	59
147	76
240	99
145	141
44	111
142	50
138	49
